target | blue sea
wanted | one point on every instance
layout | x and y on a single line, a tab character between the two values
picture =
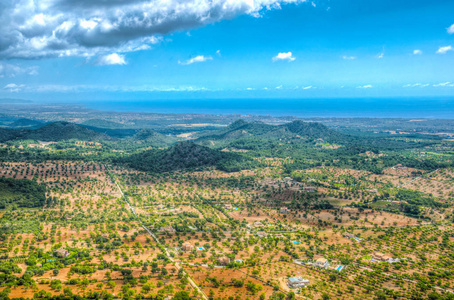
438	108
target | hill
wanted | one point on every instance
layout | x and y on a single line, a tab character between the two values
56	131
184	156
153	138
26	123
296	130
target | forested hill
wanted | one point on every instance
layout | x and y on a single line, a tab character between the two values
185	156
56	131
154	138
293	130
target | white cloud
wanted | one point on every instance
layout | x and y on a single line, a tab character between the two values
218	52
284	56
367	86
442	84
417	52
381	55
346	57
308	87
108	88
279	87
444	50
111	59
450	29
55	28
12	87
196	59
410	85
10	70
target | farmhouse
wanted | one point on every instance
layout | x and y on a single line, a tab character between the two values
380	256
321	262
167	229
187	247
258	224
228	206
297	282
384	257
309	189
62	253
284	210
261	234
224	261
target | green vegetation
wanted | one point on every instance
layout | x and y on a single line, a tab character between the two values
16	193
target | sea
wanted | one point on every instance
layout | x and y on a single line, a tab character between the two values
432	108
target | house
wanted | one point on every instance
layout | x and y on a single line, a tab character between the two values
309	189
393	260
62	253
400	167
187	247
375	191
166	229
321	262
297	282
349	235
258	224
381	257
228	206
224	261
288	179
261	234
284	210
384	257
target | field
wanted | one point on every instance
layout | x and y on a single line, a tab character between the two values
80	218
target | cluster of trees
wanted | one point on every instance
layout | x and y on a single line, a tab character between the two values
185	156
21	193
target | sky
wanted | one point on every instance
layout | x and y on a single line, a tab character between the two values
71	50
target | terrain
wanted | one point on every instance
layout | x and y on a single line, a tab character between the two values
103	205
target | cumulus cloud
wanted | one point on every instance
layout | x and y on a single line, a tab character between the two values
111	59
450	29
308	87
284	56
196	59
54	28
444	50
346	57
12	87
417	52
367	86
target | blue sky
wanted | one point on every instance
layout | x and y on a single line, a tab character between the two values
216	49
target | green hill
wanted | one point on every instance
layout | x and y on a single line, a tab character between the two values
153	138
184	156
296	130
57	131
26	123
